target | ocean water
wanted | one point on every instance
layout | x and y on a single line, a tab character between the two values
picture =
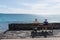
6	19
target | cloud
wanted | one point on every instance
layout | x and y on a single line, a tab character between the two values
41	7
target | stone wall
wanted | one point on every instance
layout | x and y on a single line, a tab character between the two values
30	26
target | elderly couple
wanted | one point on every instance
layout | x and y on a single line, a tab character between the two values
44	24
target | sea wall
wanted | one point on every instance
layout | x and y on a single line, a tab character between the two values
30	26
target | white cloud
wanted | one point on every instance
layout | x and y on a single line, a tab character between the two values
52	0
57	5
46	8
39	6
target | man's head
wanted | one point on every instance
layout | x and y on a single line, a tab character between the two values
35	19
45	19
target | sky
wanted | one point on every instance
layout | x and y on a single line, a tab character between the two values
39	7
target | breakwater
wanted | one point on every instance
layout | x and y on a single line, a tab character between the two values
30	26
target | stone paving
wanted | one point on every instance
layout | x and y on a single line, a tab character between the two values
16	34
25	34
35	39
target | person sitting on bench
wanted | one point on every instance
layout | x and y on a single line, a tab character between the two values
45	23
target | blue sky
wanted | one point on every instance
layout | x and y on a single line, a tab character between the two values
39	7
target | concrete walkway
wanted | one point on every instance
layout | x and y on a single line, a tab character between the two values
35	39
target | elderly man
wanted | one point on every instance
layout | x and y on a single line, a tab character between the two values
45	24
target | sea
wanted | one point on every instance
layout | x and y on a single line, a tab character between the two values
6	19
